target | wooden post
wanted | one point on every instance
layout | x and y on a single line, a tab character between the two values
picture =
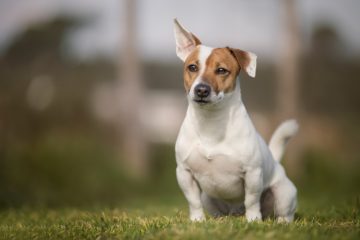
130	97
288	81
288	68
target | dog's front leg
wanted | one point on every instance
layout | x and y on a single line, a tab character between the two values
192	193
253	190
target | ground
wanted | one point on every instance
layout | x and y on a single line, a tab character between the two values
316	219
328	190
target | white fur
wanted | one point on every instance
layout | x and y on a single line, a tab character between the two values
221	156
224	165
281	136
251	69
185	43
204	53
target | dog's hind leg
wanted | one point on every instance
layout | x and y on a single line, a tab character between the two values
214	207
285	200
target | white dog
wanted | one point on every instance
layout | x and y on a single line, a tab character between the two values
223	164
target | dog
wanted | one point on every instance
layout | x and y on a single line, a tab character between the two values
223	165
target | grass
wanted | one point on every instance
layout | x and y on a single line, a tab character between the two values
329	205
315	219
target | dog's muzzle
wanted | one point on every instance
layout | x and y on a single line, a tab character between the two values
202	92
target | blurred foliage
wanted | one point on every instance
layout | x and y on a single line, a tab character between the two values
73	170
37	52
329	79
324	176
77	170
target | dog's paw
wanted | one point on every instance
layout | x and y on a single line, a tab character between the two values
286	219
197	216
252	216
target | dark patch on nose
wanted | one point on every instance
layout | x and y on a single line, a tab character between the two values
202	90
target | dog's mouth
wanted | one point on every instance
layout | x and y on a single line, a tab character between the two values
201	101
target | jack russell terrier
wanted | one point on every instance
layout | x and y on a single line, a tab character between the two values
223	164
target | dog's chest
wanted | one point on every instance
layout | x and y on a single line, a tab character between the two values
217	170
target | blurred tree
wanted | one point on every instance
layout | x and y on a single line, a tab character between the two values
325	43
35	52
43	150
40	42
38	53
330	82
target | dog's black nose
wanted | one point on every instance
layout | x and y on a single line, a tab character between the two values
202	90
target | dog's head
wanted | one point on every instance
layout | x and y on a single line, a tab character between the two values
210	73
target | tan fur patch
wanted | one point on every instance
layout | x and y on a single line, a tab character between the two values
221	58
189	77
242	57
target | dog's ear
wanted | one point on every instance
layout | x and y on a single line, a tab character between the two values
246	60
185	41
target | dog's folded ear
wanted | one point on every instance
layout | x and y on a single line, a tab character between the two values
185	41
246	60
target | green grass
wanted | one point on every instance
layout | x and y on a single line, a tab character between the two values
329	201
319	218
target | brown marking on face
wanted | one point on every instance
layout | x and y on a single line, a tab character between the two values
221	58
242	57
189	77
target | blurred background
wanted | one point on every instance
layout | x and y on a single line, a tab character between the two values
92	98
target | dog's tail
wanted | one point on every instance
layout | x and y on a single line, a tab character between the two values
281	136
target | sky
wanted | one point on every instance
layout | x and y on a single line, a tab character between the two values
254	25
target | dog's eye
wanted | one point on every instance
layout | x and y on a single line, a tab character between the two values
192	68
222	71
